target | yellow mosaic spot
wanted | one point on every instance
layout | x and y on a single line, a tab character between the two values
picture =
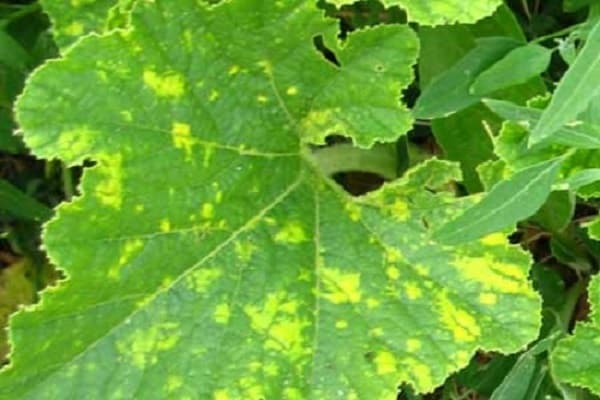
209	151
341	324
127	116
292	233
221	394
188	40
214	95
495	239
488	299
109	189
219	197
413	345
208	211
421	373
234	69
492	274
181	134
262	98
372	303
174	382
376	332
393	255
464	326
266	66
200	280
413	291
293	394
244	250
393	273
74	29
167	85
385	362
341	287
139	208
283	332
353	210
143	345
165	226
222	314
292	91
128	250
400	210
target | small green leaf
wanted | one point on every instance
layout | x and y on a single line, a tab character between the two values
582	178
449	92
507	203
576	89
583	135
575	359
516	67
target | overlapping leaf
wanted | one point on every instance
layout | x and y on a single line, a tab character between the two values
73	19
208	258
441	12
572	360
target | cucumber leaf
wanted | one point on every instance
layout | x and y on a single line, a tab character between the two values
209	257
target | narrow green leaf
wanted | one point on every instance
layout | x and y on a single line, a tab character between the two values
583	135
507	203
449	92
557	211
516	384
582	178
18	204
574	92
516	67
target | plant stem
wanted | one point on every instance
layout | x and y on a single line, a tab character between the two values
562	32
67	178
570	304
381	159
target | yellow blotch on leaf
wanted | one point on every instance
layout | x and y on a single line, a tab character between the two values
353	210
165	226
492	274
399	210
167	85
340	287
385	362
141	348
128	250
413	291
292	233
201	279
208	211
109	191
234	69
461	323
222	313
221	394
181	135
488	298
244	250
341	324
74	29
494	239
419	372
393	273
413	345
174	382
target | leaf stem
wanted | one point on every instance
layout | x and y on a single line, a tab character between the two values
569	306
67	178
381	159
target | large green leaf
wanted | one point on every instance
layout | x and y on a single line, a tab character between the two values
208	257
440	12
575	91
